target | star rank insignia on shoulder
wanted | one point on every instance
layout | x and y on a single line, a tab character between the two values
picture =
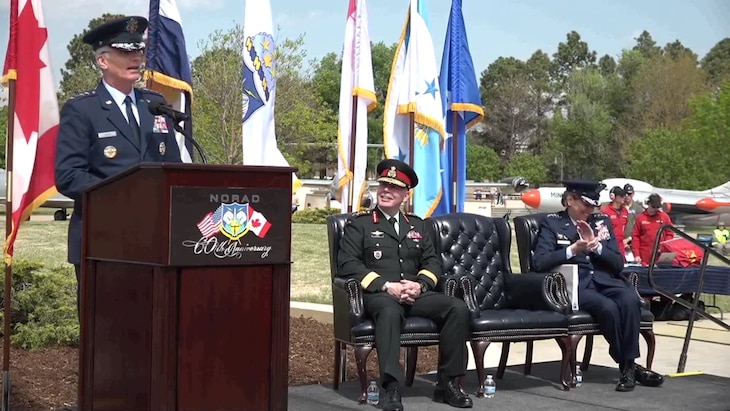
84	94
552	215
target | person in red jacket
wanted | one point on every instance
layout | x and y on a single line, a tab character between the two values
646	229
619	216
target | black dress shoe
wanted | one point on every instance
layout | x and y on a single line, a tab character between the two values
451	394
627	381
392	401
648	377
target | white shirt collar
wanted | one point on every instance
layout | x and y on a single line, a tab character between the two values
118	96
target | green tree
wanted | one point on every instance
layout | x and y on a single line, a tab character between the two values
541	96
505	89
717	62
646	45
482	163
662	89
217	102
80	73
326	83
582	131
573	54
676	50
607	65
306	128
527	165
664	156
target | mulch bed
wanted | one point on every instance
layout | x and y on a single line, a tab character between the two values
46	379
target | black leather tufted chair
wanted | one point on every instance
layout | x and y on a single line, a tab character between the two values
581	323
353	327
505	307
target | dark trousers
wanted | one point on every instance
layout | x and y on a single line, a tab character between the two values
618	312
77	269
450	314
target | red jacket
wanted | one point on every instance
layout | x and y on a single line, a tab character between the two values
645	231
619	219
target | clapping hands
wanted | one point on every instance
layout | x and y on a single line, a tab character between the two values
588	240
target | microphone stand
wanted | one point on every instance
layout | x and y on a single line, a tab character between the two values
189	138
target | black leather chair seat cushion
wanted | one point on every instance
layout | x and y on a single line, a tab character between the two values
416	329
580	322
518	323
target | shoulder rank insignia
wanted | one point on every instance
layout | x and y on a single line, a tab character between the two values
84	94
552	215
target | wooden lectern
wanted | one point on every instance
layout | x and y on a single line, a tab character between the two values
185	289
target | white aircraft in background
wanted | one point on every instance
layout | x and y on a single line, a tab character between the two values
701	208
59	201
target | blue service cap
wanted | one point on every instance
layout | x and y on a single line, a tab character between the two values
122	34
589	191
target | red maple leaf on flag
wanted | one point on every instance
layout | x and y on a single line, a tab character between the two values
255	223
29	63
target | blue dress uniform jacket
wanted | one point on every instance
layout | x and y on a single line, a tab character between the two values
602	292
558	232
95	141
373	253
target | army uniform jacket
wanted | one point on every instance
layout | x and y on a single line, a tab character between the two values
558	232
372	252
95	141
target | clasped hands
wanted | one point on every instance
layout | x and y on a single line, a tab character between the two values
406	291
588	240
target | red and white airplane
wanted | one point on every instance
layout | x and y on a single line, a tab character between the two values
705	207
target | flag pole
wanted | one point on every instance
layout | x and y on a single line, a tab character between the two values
411	147
353	141
7	312
454	160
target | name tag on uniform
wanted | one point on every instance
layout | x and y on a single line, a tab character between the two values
107	134
564	242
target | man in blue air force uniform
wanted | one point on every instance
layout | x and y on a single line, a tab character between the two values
578	236
391	256
108	130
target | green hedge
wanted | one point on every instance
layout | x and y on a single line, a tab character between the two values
44	309
314	215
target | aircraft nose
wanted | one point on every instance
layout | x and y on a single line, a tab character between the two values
531	198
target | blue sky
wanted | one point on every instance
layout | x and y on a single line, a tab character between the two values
495	28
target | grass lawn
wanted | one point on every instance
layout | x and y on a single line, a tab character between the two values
45	241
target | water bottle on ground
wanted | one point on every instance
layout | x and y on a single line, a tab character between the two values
578	376
373	393
490	387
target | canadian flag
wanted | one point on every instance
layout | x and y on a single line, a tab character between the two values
257	223
35	114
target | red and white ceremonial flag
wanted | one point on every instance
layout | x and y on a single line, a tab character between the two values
34	112
356	84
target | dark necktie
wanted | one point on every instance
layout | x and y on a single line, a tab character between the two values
394	222
132	120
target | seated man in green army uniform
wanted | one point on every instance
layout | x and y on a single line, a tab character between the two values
389	253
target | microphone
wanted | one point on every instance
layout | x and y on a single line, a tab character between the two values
159	108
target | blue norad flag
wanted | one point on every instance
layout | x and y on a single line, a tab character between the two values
168	69
460	95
